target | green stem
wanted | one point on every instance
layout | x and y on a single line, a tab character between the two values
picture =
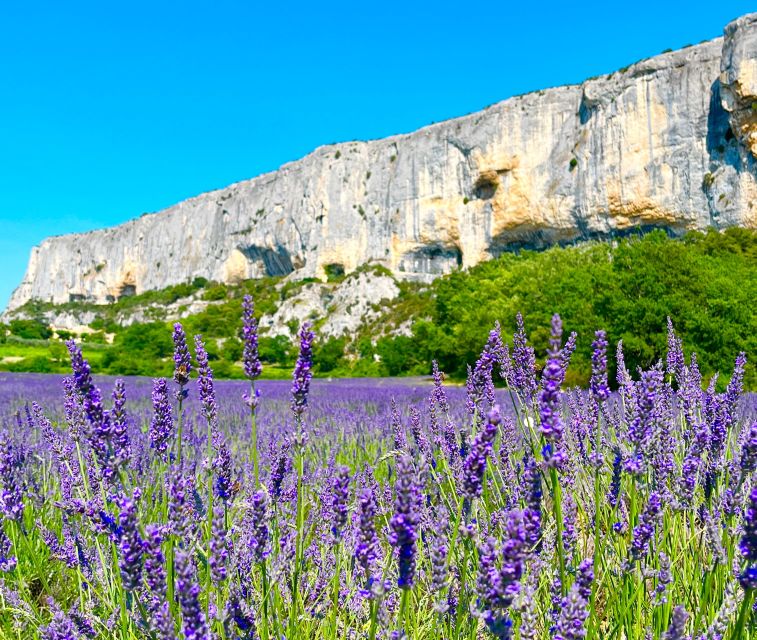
557	507
746	606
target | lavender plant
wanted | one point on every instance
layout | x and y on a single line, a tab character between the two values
518	509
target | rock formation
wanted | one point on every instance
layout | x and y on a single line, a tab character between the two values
670	141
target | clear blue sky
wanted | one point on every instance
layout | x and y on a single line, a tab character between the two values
108	110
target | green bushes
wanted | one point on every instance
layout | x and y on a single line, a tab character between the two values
30	329
705	283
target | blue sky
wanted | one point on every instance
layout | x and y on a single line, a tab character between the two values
109	110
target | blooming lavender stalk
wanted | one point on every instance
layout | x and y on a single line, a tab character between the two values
500	571
532	515
194	623
366	541
404	523
101	430
130	547
182	369
155	576
7	561
61	627
524	362
121	449
748	544
549	399
677	626
11	494
161	425
339	495
645	530
398	430
474	465
598	385
574	609
301	377
642	428
252	370
302	372
219	553
258	528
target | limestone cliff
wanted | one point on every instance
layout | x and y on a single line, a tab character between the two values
670	141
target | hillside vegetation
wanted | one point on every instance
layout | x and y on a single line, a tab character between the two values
704	282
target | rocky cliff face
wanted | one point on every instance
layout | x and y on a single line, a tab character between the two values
670	141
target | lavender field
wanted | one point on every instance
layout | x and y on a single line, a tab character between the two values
510	507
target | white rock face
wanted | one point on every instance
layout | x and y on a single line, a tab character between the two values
670	142
345	306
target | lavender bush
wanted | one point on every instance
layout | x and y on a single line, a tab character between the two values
508	508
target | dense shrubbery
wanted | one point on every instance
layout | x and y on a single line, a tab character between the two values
705	283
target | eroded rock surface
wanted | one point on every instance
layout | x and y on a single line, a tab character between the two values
670	141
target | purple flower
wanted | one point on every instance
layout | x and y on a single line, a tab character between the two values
7	561
181	358
748	458
474	465
120	425
250	358
130	546
155	570
11	463
617	470
645	530
73	409
338	501
205	384
222	467
101	433
567	352
499	573
549	398
524	362
258	527
161	425
677	627
574	609
240	612
367	544
532	512
748	543
642	428
219	553
302	371
404	522
61	628
195	626
480	386
398	431
599	389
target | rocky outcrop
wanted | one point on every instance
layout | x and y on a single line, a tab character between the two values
670	142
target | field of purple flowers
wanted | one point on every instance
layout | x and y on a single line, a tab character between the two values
189	508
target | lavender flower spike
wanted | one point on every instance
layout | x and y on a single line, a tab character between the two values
549	398
181	358
748	543
205	384
599	389
130	547
474	465
302	371
161	425
404	522
250	357
11	497
188	592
